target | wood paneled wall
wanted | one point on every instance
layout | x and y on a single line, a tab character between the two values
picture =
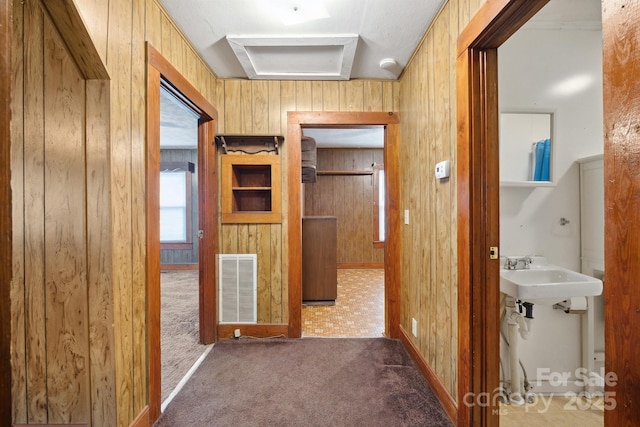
260	107
119	29
79	201
429	241
62	333
350	199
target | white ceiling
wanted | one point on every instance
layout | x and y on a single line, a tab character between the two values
385	29
568	14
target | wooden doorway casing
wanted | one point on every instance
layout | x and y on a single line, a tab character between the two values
296	122
158	68
478	206
6	263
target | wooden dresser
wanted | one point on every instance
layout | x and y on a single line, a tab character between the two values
319	259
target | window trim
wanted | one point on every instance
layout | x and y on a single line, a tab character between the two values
377	243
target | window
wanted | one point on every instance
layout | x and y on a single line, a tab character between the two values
175	209
378	206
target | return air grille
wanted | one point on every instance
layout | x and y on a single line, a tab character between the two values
237	289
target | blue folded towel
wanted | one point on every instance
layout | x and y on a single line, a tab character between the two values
537	176
546	161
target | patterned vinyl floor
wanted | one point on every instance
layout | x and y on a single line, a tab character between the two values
558	410
358	311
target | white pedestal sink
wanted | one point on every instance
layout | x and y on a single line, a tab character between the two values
539	283
547	284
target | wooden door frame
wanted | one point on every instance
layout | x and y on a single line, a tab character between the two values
298	120
159	68
478	206
6	263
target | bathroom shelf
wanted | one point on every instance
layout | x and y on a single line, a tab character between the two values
527	184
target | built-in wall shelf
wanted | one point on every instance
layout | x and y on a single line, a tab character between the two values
527	147
527	184
251	190
249	144
344	173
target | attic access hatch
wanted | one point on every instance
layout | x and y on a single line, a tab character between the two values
322	57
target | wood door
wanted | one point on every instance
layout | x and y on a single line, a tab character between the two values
621	65
319	260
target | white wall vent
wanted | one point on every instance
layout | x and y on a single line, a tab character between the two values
237	288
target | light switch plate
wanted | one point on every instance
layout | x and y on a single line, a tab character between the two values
442	169
406	216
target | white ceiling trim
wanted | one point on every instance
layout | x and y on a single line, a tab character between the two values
328	57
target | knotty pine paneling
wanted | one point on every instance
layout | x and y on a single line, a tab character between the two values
328	194
86	195
265	240
62	352
17	291
34	280
67	347
119	62
138	203
261	107
429	242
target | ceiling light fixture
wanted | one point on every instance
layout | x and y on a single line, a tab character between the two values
297	11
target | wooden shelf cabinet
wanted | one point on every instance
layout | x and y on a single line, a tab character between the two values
251	190
319	259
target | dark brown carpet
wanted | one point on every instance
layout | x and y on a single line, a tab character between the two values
178	326
306	382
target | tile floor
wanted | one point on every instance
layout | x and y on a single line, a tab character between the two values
358	311
554	411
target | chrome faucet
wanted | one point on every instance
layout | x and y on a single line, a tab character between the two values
513	263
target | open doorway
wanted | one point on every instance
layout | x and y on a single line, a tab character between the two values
297	121
550	89
161	75
344	219
479	224
179	242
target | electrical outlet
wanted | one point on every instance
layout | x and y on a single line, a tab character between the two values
414	327
236	333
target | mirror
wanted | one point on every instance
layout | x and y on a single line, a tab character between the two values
526	149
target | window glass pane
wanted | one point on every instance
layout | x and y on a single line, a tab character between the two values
173	206
173	189
173	224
